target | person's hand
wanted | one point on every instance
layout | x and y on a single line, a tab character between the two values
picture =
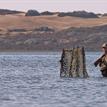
95	64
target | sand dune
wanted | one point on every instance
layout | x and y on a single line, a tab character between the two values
58	23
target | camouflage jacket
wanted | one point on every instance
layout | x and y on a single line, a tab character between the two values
103	63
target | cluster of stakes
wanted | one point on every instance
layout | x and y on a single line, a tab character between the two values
73	63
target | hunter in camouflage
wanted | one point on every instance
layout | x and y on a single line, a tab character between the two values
102	61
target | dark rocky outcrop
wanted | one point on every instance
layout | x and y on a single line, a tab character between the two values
47	13
6	11
32	13
82	14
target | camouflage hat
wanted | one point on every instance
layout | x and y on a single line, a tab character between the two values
104	45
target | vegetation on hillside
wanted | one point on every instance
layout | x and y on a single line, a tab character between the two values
6	11
82	14
45	38
32	13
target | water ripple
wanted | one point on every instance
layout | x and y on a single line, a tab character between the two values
33	81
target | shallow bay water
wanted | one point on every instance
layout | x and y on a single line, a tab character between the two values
32	80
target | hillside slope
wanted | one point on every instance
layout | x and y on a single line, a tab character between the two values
58	23
51	33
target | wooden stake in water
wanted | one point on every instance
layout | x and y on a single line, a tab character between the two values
73	63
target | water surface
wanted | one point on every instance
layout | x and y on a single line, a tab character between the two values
32	80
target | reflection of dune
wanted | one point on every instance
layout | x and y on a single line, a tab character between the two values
21	21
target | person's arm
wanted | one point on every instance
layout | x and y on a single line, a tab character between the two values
98	61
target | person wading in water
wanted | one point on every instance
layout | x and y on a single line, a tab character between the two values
102	61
